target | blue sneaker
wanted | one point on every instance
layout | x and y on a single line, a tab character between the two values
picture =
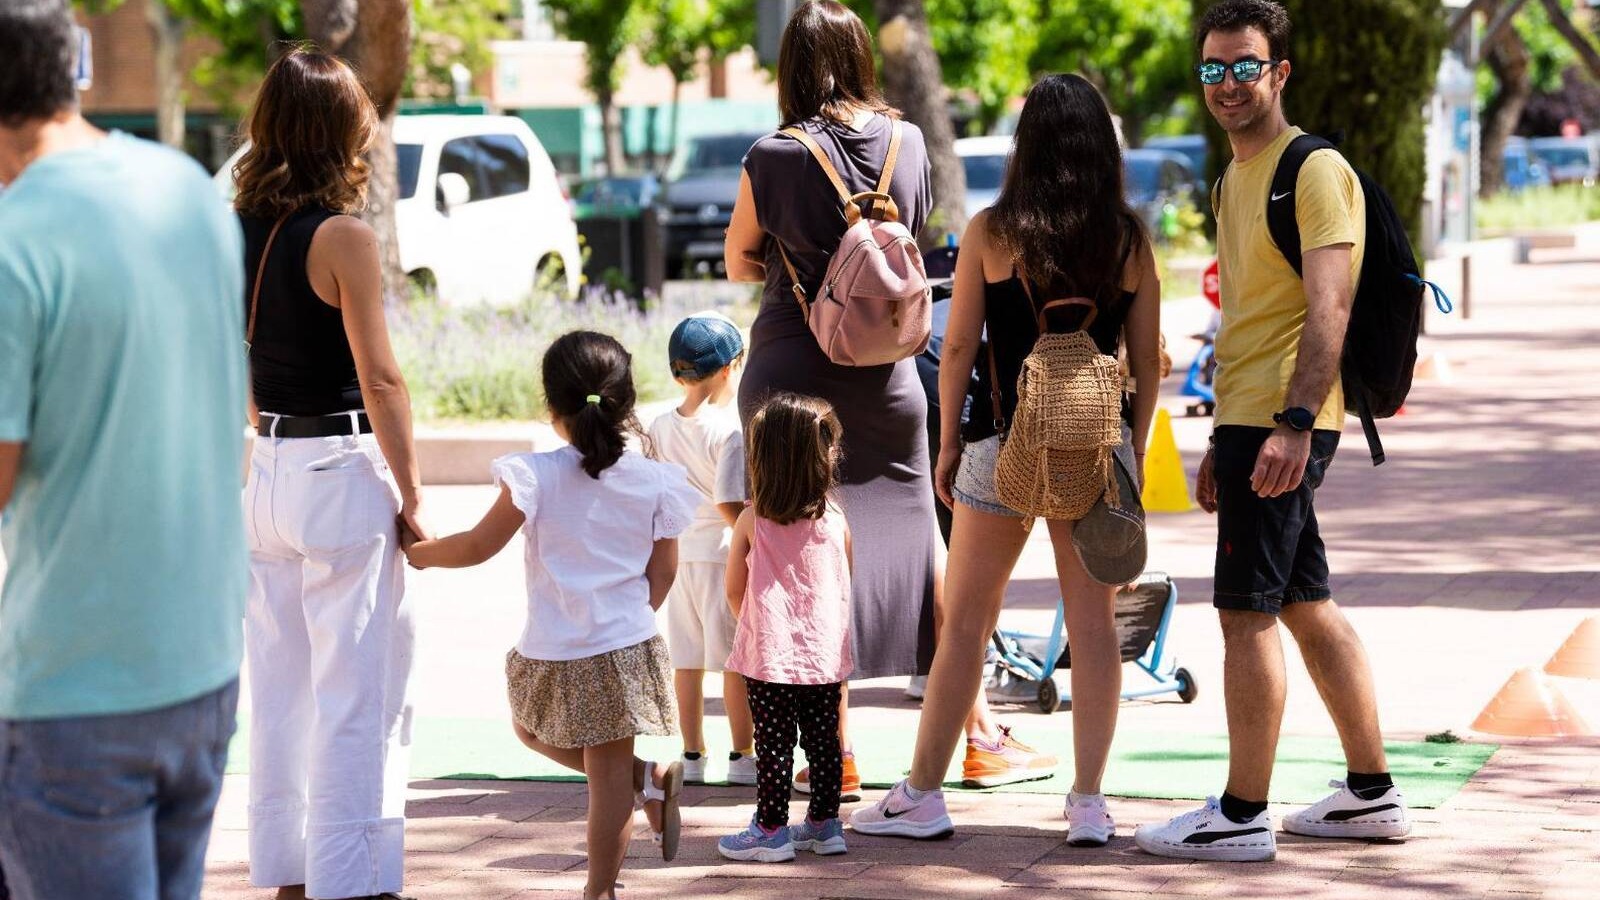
755	844
823	839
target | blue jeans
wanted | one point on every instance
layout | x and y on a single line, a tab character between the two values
113	807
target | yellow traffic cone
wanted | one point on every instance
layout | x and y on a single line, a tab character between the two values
1166	487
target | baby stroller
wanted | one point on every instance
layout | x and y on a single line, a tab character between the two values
1202	372
1021	664
1025	662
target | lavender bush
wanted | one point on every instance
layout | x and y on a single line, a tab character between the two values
481	363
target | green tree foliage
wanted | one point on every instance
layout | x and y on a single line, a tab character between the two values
1138	52
446	32
1366	68
986	47
604	27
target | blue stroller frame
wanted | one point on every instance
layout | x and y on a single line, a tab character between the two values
1143	616
1198	384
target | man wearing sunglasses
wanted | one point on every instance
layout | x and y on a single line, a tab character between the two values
1279	412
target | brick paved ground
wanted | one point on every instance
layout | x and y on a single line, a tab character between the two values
1470	554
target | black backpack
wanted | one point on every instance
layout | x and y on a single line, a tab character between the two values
1380	344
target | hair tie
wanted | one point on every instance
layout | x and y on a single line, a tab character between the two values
594	399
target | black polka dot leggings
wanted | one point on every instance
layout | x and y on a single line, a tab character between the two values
780	711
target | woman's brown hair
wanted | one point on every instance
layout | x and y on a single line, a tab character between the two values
311	123
793	456
825	65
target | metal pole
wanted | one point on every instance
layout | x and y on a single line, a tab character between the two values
1466	285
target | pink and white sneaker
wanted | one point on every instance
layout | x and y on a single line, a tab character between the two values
1089	823
897	815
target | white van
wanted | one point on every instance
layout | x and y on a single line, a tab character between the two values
481	216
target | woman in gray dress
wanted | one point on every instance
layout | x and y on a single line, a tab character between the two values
827	85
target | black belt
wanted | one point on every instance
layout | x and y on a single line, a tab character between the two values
271	425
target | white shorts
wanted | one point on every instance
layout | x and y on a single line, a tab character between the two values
700	625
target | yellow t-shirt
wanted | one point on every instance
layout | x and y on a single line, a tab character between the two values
1263	300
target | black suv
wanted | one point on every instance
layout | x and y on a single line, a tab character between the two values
703	184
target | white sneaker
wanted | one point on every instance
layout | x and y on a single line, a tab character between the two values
1089	823
1206	833
742	768
694	770
1344	815
916	687
897	815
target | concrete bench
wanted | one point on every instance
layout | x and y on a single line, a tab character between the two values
1524	243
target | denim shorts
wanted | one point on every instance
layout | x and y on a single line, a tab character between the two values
975	487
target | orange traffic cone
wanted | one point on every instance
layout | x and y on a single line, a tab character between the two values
1530	705
1579	657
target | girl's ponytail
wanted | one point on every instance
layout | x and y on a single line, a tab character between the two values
588	382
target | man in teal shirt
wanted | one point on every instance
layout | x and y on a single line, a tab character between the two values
122	405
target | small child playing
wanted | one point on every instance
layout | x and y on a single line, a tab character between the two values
600	524
702	435
789	582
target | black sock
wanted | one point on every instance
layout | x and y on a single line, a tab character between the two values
1241	811
1368	787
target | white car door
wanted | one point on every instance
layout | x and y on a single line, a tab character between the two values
509	204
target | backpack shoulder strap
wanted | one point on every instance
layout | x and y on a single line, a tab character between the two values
893	157
1040	312
1282	223
821	155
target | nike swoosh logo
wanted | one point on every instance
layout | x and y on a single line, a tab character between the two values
1277	197
1345	815
1211	837
894	815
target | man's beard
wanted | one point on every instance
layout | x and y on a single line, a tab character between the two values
1244	119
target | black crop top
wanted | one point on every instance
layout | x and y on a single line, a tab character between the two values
1012	327
300	360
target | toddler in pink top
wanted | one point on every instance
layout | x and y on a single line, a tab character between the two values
789	585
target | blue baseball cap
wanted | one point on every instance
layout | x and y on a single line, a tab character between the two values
703	344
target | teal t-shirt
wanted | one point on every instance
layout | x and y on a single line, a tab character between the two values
122	371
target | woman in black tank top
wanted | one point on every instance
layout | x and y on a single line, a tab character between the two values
328	635
1061	222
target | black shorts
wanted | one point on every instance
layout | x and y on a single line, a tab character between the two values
1269	552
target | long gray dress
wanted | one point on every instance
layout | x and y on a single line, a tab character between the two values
885	489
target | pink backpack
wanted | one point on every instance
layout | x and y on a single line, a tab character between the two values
875	306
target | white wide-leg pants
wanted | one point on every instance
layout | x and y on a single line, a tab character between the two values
329	645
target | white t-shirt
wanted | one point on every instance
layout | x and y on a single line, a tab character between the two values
587	544
710	447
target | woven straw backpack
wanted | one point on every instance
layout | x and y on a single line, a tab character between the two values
1056	457
875	306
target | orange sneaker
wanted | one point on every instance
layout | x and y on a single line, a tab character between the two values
1007	761
849	792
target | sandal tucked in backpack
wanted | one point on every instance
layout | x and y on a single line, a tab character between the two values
875	306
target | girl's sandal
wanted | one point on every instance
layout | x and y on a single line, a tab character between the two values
667	796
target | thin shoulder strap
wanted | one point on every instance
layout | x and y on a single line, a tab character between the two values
261	271
811	144
1041	311
894	156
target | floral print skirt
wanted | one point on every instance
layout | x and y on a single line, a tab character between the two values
594	700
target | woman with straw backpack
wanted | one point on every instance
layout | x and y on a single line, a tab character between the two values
1061	274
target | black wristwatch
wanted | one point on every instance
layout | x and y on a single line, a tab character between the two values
1297	417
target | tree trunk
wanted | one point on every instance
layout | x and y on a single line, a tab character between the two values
611	132
913	82
1509	60
168	30
1579	41
672	127
375	36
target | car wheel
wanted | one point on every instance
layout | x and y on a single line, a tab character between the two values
424	286
550	277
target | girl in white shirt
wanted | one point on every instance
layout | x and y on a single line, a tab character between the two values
600	524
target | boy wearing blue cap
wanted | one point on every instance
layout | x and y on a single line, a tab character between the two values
702	434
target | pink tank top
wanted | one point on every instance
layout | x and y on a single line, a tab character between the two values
794	627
